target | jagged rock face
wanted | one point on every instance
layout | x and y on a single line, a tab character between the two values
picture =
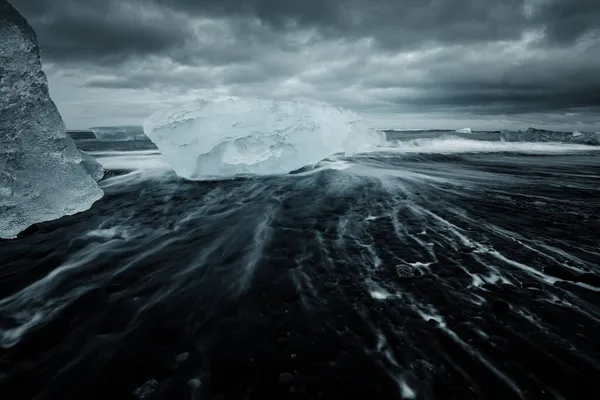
41	176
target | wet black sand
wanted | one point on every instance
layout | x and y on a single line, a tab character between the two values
450	277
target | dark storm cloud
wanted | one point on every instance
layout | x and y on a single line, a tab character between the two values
565	21
485	101
489	78
400	23
107	32
82	29
252	48
393	24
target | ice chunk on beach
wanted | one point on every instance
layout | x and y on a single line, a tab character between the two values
43	176
121	133
91	166
463	130
217	139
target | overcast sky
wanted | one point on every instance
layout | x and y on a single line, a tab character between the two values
402	63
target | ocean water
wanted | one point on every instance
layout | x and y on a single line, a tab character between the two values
443	266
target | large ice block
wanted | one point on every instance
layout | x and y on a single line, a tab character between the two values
217	139
41	173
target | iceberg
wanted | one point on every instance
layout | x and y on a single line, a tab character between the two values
463	130
43	176
542	135
119	133
219	139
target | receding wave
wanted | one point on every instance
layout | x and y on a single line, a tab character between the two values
450	144
414	267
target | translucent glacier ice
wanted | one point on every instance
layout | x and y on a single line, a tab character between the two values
215	139
463	130
91	166
43	176
127	132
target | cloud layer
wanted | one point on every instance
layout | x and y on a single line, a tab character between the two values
458	60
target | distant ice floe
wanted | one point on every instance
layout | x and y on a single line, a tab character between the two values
542	135
463	130
131	160
454	145
119	133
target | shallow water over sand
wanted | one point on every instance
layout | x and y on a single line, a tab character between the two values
469	272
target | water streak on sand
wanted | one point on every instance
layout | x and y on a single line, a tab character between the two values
425	266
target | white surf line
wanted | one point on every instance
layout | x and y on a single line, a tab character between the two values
323	247
586	286
238	281
548	331
135	176
403	235
378	291
477	299
537	197
542	326
343	222
562	175
38	302
532	271
586	251
375	261
513	236
494	277
534	320
429	312
406	392
554	300
478	279
560	184
495	253
378	287
124	153
520	240
382	347
304	286
555	393
262	237
371	263
447	225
